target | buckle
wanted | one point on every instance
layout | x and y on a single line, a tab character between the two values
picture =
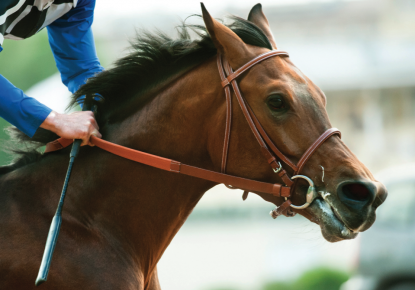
278	169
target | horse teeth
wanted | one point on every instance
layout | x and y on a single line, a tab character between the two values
346	232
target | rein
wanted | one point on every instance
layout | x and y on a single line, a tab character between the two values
268	148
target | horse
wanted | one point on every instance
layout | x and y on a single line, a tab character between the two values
166	98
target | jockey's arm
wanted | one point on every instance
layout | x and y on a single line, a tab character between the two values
72	43
28	114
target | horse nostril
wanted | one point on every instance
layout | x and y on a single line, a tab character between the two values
356	193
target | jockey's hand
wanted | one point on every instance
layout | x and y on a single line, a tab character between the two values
77	125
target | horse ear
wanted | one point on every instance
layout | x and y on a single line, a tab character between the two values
226	41
257	17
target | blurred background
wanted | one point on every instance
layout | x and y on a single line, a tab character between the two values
362	54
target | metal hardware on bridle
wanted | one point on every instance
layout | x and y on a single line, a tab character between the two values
311	192
268	148
278	169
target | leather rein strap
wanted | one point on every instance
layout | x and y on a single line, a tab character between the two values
268	148
175	166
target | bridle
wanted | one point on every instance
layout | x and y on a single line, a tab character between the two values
268	148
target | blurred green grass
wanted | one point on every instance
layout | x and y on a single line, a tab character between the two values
315	279
321	278
24	63
27	62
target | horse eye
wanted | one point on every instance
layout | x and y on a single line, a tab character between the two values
276	103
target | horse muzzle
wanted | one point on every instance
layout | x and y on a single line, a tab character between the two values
349	210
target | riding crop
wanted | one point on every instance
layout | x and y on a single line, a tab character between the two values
57	219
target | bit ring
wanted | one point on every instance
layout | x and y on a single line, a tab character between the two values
311	192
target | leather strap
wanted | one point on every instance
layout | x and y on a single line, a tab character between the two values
250	64
320	140
284	208
264	149
257	130
177	167
271	144
58	144
228	117
256	126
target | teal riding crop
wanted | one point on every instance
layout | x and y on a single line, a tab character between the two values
57	219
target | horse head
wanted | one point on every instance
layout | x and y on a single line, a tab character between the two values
291	109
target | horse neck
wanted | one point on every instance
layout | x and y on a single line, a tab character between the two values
145	206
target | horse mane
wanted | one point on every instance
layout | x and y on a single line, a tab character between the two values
155	59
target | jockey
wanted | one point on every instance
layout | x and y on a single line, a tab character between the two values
70	37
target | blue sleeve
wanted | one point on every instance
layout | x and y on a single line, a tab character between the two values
24	112
72	43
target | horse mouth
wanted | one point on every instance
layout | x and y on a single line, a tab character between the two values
333	228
